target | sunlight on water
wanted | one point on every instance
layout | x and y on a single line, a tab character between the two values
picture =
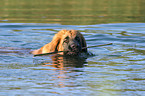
115	70
112	70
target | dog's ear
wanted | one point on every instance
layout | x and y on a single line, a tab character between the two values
83	43
55	45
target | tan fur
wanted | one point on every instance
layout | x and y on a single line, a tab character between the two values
56	43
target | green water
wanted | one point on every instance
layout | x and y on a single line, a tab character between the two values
72	11
114	70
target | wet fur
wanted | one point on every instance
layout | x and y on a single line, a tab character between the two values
58	43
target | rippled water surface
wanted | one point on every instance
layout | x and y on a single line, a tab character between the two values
115	70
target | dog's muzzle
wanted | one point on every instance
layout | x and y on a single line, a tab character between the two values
74	49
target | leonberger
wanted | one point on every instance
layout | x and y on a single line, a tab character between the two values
71	42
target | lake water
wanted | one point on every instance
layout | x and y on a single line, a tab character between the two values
115	70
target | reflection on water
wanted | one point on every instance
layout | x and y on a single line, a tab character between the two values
59	61
114	70
70	12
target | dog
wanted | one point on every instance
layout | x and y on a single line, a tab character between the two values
71	42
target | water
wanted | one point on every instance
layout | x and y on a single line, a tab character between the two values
72	12
115	70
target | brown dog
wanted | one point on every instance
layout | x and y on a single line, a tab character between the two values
69	41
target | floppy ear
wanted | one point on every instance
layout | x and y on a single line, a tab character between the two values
54	45
50	47
83	43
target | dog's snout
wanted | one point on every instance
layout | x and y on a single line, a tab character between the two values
74	46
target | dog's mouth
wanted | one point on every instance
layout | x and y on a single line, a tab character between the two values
71	53
73	50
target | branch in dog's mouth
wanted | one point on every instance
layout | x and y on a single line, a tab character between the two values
48	53
64	51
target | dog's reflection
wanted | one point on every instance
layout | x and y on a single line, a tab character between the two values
60	61
64	68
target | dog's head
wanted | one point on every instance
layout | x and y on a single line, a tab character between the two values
71	42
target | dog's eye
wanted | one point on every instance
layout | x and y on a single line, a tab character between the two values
66	40
78	39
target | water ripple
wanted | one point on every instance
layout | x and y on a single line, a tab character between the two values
114	69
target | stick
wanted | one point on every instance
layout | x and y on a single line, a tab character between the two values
63	51
97	45
48	53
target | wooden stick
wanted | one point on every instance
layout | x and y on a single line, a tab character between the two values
63	51
97	45
48	53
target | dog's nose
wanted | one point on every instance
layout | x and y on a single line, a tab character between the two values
74	46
